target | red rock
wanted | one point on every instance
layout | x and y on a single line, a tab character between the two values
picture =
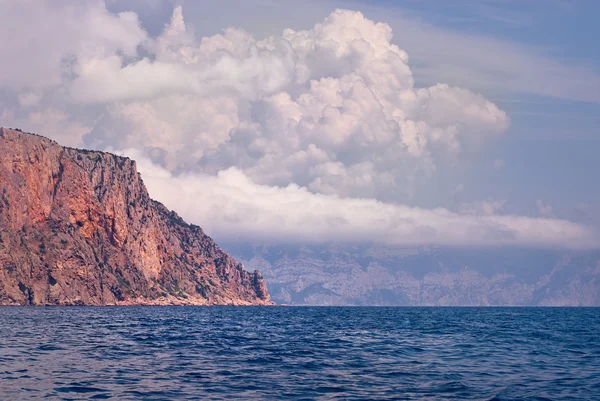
78	227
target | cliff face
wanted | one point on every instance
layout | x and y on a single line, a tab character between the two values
79	228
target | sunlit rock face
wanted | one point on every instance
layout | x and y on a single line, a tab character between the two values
79	228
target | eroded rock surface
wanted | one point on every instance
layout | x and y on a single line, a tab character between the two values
79	228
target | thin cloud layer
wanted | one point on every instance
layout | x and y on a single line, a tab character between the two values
230	205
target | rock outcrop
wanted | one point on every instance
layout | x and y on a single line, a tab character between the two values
78	227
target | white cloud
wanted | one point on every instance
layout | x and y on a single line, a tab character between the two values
42	39
29	99
487	63
543	209
487	207
307	134
50	122
463	57
333	108
230	205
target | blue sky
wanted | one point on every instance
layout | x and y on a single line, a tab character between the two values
552	146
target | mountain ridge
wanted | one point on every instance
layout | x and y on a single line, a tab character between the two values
372	274
78	227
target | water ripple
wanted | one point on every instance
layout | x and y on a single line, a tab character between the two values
221	353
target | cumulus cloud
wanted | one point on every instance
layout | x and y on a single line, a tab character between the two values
333	108
308	134
51	122
44	40
230	205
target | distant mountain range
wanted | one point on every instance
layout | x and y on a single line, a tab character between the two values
79	228
335	274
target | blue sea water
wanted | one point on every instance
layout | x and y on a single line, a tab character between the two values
299	353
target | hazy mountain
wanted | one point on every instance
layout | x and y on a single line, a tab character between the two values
334	274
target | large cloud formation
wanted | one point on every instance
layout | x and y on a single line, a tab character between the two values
333	108
232	206
321	128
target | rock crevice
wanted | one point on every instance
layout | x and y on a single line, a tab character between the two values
78	227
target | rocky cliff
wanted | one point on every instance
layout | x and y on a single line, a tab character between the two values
79	228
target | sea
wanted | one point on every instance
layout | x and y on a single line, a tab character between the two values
299	353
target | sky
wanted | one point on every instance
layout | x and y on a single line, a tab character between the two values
402	122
